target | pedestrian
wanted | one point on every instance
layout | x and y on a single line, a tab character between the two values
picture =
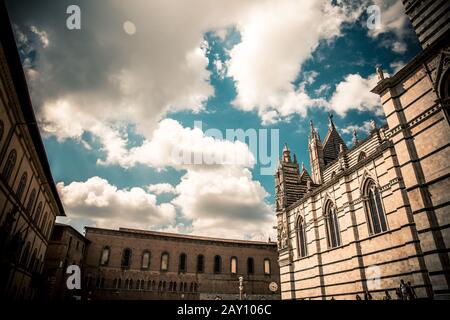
358	297
367	295
411	292
387	296
403	289
398	294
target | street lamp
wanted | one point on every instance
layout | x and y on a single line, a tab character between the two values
241	286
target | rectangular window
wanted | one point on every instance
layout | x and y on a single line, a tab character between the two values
145	260
233	265
266	266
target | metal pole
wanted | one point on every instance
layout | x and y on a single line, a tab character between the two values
241	287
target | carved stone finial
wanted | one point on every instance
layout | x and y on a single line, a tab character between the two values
355	137
373	125
341	148
330	120
380	73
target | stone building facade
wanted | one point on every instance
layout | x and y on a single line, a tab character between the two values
66	247
378	212
137	264
29	202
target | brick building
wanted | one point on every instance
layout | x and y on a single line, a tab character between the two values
29	202
137	264
66	247
378	212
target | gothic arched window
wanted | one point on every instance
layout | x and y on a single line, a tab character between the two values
332	225
164	261
250	266
37	215
9	166
2	129
217	264
21	186
200	263
301	230
104	257
361	156
31	200
126	258
374	208
182	263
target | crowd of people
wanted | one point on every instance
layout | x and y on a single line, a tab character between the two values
404	292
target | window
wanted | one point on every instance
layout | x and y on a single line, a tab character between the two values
9	166
217	264
37	215
145	260
233	266
331	221
200	263
31	201
104	257
25	253
2	129
48	228
250	266
266	266
126	258
43	222
165	261
182	263
302	245
361	156
374	208
21	186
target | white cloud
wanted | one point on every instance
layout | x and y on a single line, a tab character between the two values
397	65
354	93
365	127
172	145
322	89
43	37
161	188
104	205
272	50
225	203
393	20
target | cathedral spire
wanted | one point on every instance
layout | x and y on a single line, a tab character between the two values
355	137
330	121
286	154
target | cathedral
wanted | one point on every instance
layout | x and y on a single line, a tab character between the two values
376	213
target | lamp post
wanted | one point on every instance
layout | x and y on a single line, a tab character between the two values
241	287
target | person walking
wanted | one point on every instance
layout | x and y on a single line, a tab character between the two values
387	296
403	289
411	292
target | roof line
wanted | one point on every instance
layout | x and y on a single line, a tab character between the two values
9	46
178	235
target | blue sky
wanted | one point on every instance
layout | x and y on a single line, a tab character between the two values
99	92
